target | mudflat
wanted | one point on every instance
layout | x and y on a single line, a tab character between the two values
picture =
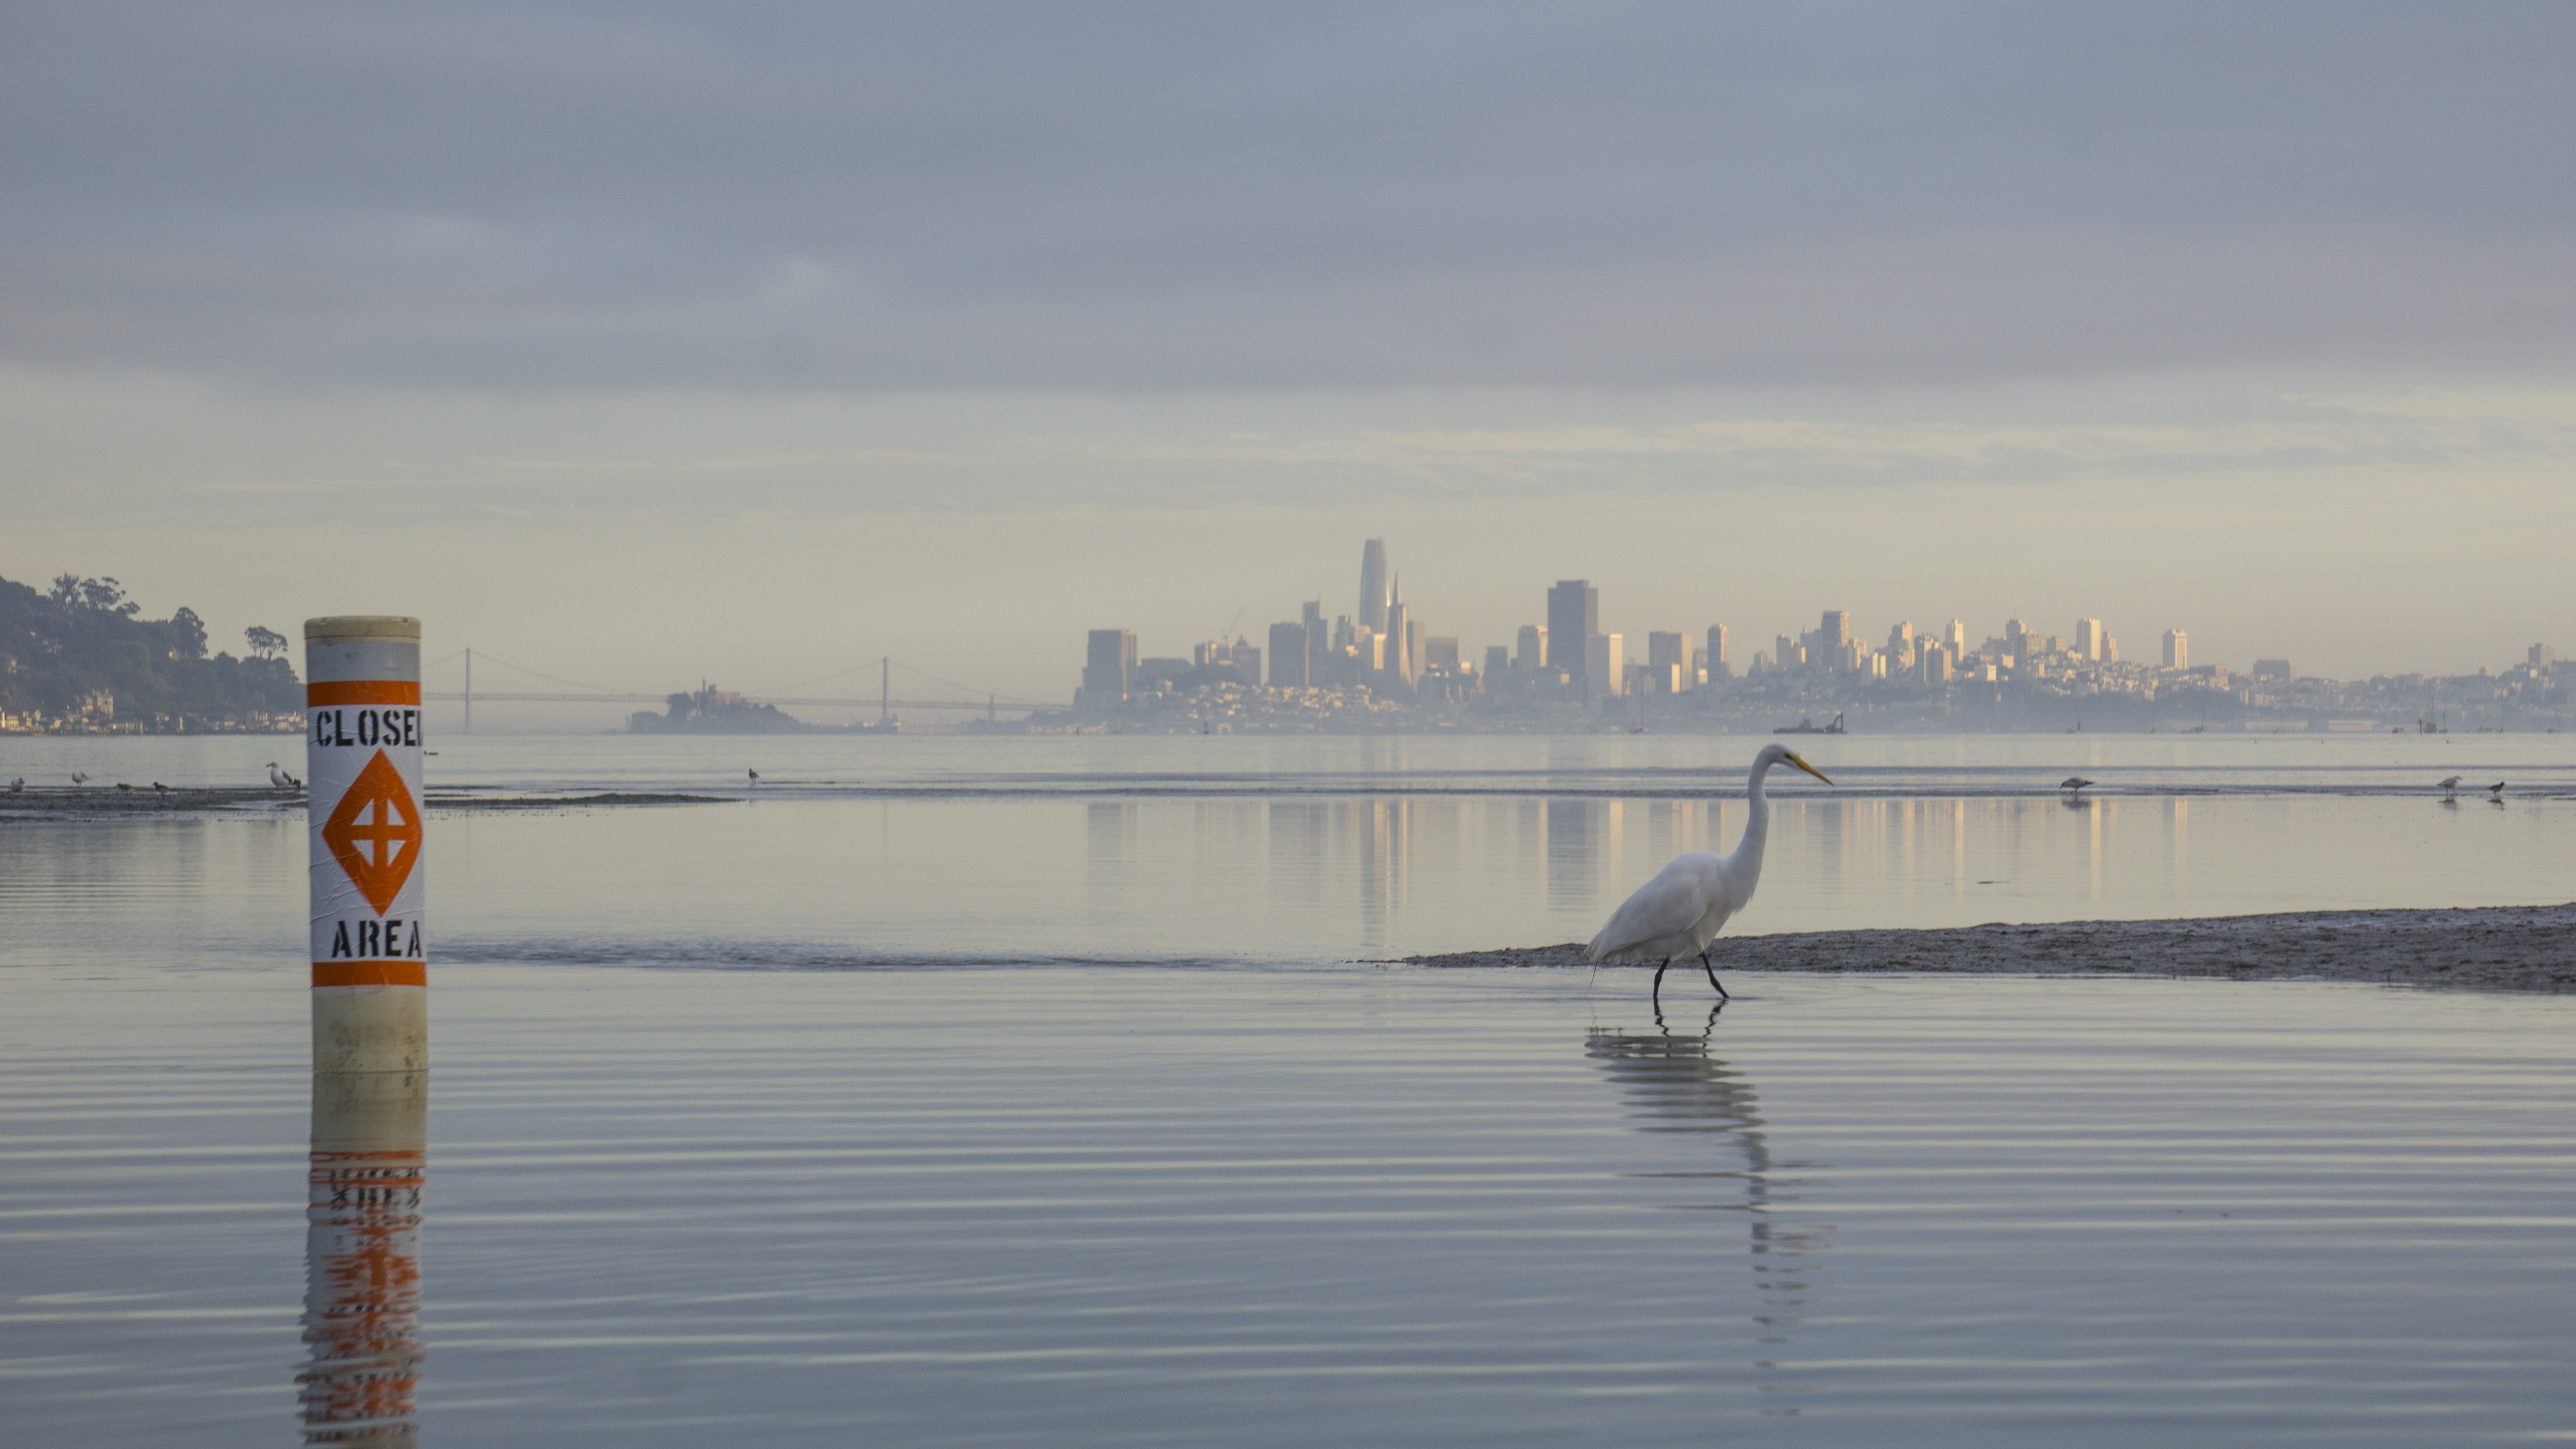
2493	948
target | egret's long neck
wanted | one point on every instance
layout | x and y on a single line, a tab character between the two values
1757	820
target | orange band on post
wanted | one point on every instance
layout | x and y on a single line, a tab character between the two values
370	973
362	691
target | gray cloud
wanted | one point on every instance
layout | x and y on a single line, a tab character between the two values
1182	197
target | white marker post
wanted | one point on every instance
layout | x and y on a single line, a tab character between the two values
362	753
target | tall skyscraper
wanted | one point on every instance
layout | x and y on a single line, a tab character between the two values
1833	634
1955	638
2088	638
1291	660
1573	617
2177	649
1373	584
1719	665
1402	667
1108	666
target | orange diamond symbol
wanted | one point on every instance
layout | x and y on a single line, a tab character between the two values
378	852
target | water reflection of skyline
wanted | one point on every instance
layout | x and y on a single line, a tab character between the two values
1672	1084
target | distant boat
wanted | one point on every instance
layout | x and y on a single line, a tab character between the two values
1810	727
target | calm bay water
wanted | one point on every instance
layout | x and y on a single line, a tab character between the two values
723	1140
1116	1205
947	851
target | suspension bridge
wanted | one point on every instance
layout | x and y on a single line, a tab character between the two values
576	692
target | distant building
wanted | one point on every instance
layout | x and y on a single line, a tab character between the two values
1373	585
1108	667
2088	639
1318	638
1935	668
1718	661
1834	633
1531	650
1291	661
1498	662
2177	649
2281	669
1604	666
2110	650
1787	653
1672	650
2541	657
1440	651
1955	639
1402	665
1900	644
1573	617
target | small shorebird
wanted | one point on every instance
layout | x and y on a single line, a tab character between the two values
755	776
18	784
123	786
157	785
280	778
2450	786
2073	782
2496	789
79	779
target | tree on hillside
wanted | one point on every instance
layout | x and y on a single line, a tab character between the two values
265	643
187	634
100	596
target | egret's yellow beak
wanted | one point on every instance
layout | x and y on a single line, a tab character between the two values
1810	769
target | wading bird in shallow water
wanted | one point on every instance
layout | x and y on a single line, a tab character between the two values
1679	912
755	777
2448	786
2496	790
2073	782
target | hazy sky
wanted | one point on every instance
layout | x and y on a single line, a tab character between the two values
638	344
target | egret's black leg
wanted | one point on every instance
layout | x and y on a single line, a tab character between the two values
1657	995
1712	977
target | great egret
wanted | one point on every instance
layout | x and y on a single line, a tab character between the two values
2073	782
1679	912
2449	786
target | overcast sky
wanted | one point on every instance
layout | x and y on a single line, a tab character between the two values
638	344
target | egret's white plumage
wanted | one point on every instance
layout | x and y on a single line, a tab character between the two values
1680	911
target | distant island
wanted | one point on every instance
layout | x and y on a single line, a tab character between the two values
75	659
713	711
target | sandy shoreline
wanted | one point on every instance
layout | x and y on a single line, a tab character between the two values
2497	948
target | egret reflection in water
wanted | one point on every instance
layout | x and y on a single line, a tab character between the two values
1672	1084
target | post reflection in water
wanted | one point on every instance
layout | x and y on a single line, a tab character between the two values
1669	1077
362	1257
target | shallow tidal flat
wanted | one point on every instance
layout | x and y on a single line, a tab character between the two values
2497	948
